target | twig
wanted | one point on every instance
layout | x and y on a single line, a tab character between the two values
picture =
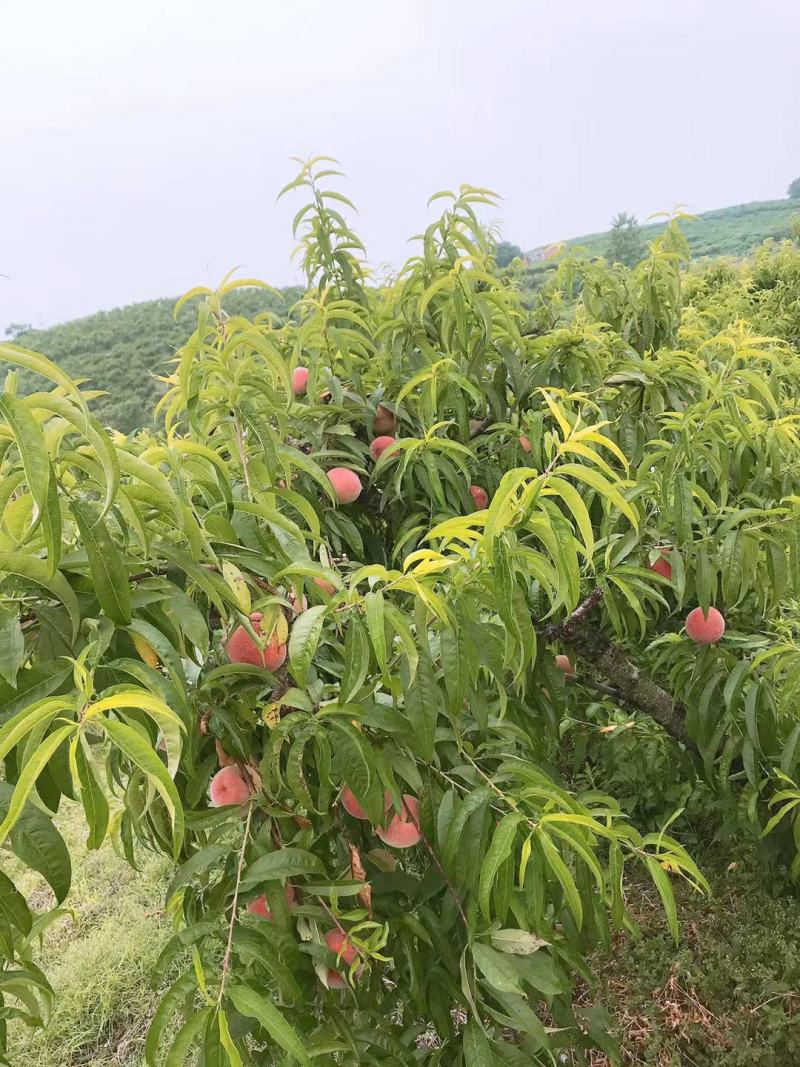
226	962
438	866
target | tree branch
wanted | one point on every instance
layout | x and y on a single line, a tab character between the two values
629	684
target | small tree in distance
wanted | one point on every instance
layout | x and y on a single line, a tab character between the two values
794	190
626	243
505	253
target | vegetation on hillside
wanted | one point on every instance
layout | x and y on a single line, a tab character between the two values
726	232
427	623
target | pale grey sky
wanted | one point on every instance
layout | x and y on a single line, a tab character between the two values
142	143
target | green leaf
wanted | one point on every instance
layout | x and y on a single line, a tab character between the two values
661	882
304	639
234	1059
30	772
39	845
200	862
109	574
139	752
37	571
12	905
169	1003
286	862
422	701
30	442
356	660
562	873
498	852
256	1006
373	604
93	798
189	1033
498	969
518	942
477	1051
12	645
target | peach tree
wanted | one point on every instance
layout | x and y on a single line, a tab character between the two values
326	638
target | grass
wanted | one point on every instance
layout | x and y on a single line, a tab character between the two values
99	965
727	996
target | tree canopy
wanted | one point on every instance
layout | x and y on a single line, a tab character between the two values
399	633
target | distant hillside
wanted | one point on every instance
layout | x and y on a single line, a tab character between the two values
727	231
118	349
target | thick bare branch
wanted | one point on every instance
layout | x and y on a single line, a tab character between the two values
630	685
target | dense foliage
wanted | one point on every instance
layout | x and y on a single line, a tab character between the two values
123	351
342	571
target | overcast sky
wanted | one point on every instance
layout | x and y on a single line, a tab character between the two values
142	143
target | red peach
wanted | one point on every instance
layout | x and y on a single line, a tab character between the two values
663	567
402	831
525	443
385	420
327	587
224	759
346	484
228	786
336	980
299	380
565	664
242	649
379	446
260	907
480	496
705	629
342	946
352	806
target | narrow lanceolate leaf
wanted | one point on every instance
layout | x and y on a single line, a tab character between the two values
661	882
238	585
477	1051
499	851
234	1059
33	361
30	772
13	908
109	575
36	570
30	442
139	752
21	724
356	660
186	1038
12	645
422	701
284	863
169	1003
304	639
257	1006
93	798
37	842
564	876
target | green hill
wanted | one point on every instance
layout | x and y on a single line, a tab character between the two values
120	350
727	231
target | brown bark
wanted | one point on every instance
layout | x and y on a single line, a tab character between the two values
627	683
